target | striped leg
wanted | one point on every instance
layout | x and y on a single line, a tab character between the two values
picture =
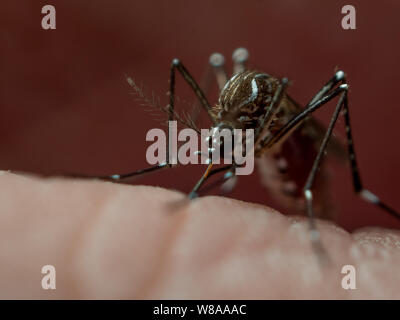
358	186
330	93
175	65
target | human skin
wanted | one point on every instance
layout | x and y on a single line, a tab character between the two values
115	241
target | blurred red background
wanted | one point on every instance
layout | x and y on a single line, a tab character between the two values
66	107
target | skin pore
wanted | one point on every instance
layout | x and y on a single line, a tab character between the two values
115	241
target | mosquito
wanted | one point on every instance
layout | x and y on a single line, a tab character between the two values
286	138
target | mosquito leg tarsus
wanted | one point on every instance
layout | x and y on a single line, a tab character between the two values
227	176
194	193
365	194
117	177
357	184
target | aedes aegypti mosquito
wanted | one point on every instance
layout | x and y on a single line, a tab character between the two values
252	99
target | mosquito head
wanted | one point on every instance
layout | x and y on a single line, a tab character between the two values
245	98
217	137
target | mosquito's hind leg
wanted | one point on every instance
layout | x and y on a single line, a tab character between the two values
327	93
240	57
217	61
358	186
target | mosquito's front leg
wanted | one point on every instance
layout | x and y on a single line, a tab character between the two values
194	193
123	176
175	65
208	173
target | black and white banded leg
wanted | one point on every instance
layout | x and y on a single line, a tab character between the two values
357	184
175	65
315	237
365	194
329	92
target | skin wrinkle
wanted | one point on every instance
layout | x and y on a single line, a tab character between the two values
230	204
244	234
25	222
87	231
163	274
259	213
225	256
84	231
214	247
165	244
168	246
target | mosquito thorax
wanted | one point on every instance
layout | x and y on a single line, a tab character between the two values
245	97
